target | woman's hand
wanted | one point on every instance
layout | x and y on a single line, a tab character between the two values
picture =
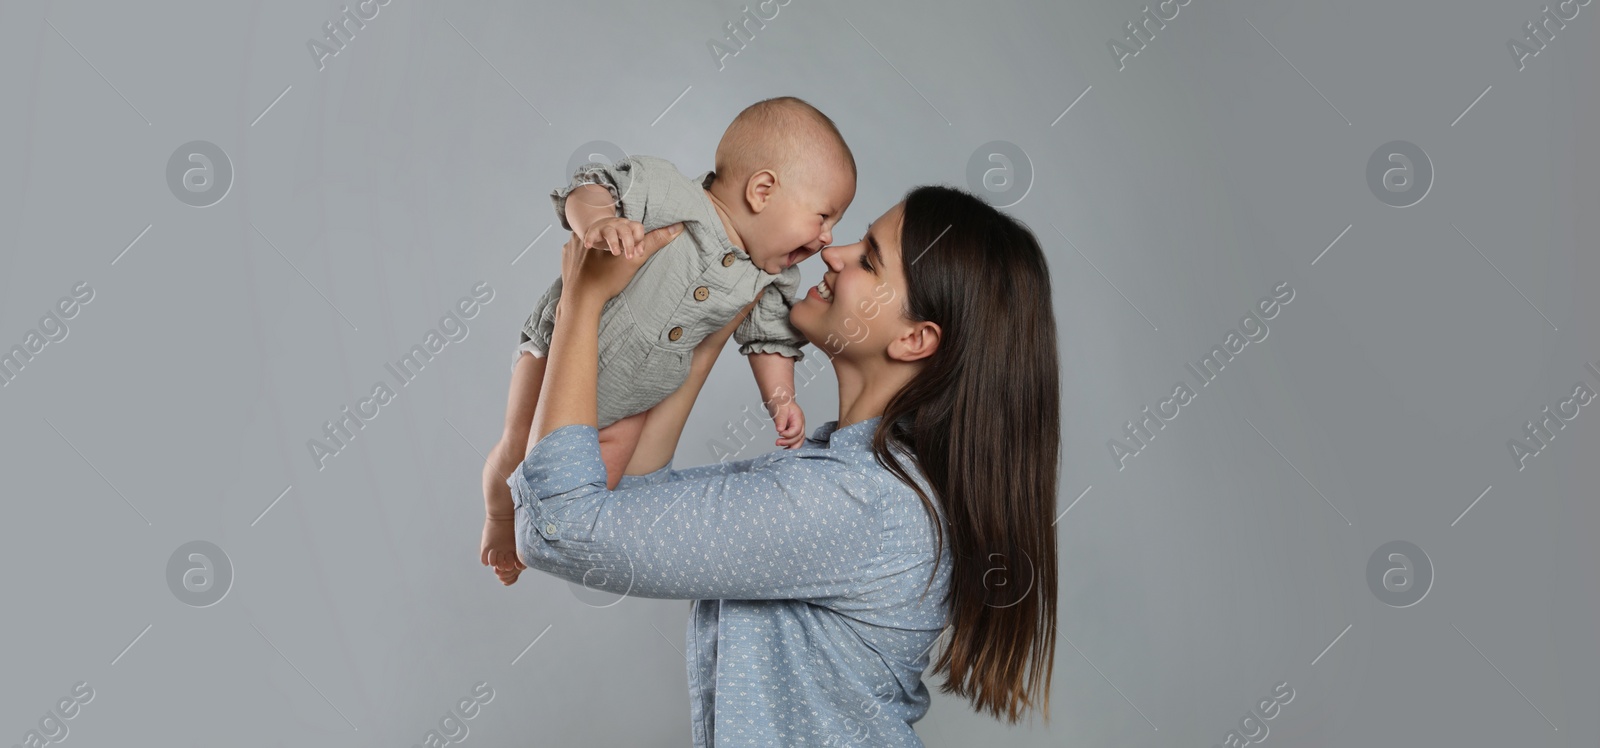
593	276
618	235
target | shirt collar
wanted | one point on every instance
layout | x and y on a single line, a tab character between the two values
704	180
856	435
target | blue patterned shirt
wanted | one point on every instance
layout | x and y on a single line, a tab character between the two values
805	567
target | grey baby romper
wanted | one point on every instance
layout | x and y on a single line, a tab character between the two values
687	290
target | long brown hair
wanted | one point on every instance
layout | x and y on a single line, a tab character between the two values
983	419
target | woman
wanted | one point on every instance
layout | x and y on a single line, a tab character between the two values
823	576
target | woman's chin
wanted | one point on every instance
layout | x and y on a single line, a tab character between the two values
801	320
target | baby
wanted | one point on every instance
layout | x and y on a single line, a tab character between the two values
783	178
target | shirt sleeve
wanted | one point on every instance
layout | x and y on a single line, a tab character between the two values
645	189
767	328
593	172
797	525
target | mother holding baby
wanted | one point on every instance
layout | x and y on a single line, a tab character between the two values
823	576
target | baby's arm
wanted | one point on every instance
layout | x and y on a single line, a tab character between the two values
774	374
588	204
594	218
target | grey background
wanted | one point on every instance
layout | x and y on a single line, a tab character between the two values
1214	166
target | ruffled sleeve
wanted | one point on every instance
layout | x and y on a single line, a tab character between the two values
767	328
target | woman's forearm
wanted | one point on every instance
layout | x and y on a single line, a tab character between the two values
571	368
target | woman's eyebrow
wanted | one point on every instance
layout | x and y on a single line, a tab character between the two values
877	252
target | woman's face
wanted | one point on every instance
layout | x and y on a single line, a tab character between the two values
866	293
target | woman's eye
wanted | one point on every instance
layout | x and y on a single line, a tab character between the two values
864	264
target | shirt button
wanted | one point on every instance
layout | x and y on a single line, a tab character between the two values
550	527
675	333
701	293
728	259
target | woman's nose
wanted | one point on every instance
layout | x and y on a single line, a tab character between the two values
831	257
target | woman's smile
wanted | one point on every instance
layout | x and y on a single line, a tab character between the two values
821	291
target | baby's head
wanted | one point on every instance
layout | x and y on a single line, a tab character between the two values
785	176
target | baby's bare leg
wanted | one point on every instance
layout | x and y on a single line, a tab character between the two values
526	381
617	444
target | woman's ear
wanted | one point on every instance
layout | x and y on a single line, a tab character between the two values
759	189
920	342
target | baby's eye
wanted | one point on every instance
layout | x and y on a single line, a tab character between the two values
864	264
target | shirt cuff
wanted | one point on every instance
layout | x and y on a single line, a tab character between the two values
592	173
772	346
565	459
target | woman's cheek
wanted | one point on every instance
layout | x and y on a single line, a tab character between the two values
854	329
868	308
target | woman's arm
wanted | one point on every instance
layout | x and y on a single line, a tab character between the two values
589	278
572	367
790	525
804	525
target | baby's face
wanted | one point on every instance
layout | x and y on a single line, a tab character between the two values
799	221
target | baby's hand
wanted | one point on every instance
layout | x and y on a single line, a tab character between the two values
791	423
619	236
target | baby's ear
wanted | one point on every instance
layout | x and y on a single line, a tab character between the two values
759	189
